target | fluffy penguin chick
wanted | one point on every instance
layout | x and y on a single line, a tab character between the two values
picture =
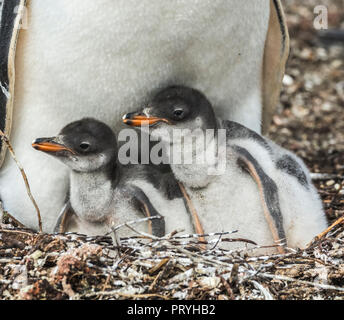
230	200
164	193
99	196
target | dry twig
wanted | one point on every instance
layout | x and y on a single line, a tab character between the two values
27	185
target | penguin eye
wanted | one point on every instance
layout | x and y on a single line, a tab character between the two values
84	146
178	113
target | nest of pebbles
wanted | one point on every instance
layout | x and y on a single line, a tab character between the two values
72	266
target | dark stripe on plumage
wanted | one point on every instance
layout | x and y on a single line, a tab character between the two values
235	130
281	23
270	189
288	165
140	200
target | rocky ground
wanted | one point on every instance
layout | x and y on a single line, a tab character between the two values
34	266
309	121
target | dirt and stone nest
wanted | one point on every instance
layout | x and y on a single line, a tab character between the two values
71	266
309	121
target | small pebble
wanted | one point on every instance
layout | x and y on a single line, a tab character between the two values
288	80
327	106
36	255
330	183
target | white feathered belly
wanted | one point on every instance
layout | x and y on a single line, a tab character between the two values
103	58
230	204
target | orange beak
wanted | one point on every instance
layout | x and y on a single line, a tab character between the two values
49	145
138	120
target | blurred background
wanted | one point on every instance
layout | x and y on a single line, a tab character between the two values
310	117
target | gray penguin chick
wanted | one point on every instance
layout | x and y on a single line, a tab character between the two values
99	196
278	204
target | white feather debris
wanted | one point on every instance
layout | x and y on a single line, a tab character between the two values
21	281
265	292
180	295
182	277
209	282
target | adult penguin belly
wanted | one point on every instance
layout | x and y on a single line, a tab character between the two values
104	58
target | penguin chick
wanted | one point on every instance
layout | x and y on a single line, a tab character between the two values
99	195
279	202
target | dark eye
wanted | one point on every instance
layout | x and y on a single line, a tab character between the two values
84	146
178	113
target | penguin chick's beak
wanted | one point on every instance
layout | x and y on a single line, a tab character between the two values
136	119
50	145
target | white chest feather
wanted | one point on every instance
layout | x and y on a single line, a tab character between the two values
91	196
194	161
231	202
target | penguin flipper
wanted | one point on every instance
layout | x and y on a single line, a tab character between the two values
268	192
10	22
276	53
170	187
142	202
66	213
